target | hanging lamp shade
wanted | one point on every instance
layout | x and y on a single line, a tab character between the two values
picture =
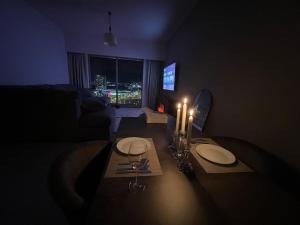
109	38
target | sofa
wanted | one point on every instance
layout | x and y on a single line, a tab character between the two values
53	113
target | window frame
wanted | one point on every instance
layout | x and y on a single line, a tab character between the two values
117	58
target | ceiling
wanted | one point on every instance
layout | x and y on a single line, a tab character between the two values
149	20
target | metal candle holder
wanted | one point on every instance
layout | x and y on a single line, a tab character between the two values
174	145
182	154
181	139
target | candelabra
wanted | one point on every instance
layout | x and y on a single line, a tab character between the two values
180	151
181	138
183	153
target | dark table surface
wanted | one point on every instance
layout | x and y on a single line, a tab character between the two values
176	199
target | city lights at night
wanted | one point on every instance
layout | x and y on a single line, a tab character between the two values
127	93
120	80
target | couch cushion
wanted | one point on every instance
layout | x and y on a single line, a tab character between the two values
92	104
84	92
94	119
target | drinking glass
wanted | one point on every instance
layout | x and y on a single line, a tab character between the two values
139	164
180	151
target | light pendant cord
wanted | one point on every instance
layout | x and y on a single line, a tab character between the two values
109	21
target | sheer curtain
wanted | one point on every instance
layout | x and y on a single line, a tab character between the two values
152	78
78	70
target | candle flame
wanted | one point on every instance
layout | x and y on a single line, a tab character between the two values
185	100
191	112
178	105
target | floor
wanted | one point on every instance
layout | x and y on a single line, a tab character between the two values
126	112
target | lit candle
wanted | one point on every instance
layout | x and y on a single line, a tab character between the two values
178	117
184	108
189	131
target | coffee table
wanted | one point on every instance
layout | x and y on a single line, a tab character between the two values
175	199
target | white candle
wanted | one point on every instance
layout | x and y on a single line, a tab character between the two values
178	117
184	108
190	125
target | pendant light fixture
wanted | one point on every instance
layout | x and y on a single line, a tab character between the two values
109	38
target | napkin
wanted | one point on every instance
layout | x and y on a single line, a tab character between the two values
137	147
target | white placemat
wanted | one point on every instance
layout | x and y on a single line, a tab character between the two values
210	167
116	158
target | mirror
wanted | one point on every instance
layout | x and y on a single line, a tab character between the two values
202	105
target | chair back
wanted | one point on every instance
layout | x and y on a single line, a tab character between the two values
74	176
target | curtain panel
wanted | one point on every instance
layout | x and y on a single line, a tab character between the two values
153	71
77	70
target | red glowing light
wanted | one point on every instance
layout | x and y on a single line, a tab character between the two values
161	108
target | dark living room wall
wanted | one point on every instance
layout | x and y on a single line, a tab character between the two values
247	55
32	47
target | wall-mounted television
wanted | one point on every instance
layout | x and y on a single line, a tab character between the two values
169	77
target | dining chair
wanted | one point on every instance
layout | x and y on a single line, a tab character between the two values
74	176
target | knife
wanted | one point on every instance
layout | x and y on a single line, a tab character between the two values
133	171
142	161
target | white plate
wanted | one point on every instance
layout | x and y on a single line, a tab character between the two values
215	154
139	145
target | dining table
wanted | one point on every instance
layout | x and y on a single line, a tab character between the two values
177	198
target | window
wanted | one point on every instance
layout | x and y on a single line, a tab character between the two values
130	78
103	77
118	79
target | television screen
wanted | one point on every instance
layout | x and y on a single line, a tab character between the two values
169	77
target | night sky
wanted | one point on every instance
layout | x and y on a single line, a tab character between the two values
129	70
